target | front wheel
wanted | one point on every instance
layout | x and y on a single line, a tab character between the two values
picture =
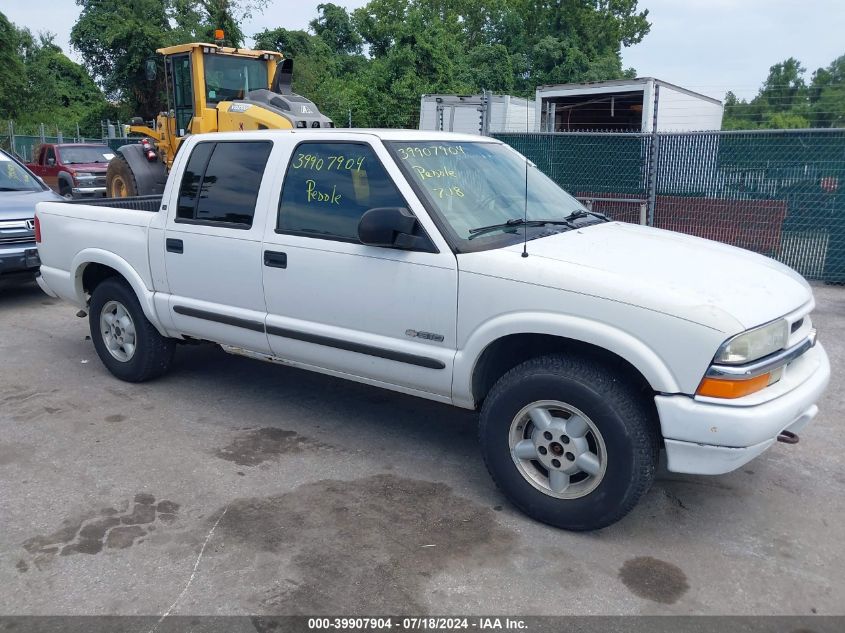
126	342
569	442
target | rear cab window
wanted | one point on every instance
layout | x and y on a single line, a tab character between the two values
220	183
329	186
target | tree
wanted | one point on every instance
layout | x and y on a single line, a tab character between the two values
39	84
116	38
781	101
784	88
334	26
827	95
12	74
503	45
786	101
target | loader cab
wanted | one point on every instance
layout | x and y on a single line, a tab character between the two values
201	76
210	88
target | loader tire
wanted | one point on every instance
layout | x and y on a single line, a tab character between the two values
120	181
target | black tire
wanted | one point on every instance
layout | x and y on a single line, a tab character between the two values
120	181
621	413
153	352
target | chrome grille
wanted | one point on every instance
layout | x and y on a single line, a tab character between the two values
16	232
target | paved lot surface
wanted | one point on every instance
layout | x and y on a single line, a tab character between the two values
314	495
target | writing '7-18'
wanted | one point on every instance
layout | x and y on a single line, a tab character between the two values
445	192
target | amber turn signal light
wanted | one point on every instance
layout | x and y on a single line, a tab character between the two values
732	388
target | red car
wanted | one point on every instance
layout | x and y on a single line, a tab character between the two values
74	170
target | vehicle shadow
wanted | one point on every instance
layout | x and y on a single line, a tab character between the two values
351	408
372	421
16	294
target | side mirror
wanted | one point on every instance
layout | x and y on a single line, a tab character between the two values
150	69
391	227
51	161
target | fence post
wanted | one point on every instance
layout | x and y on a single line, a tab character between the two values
654	155
485	112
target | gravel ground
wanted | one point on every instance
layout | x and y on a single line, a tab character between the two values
235	487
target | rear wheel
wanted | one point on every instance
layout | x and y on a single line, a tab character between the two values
569	442
126	342
120	182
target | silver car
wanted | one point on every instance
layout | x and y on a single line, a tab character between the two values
20	190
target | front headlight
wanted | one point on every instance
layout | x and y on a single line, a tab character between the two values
84	176
754	344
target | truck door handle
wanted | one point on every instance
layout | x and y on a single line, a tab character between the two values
174	246
275	259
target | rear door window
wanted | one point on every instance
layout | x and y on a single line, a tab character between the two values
221	182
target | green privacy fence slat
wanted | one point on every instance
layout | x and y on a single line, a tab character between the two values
778	192
613	163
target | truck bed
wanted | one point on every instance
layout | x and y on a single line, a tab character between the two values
138	203
111	232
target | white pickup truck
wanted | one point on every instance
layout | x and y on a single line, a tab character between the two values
447	267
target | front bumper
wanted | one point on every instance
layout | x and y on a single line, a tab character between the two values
19	260
708	438
81	192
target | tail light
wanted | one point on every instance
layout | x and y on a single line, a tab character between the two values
149	149
37	230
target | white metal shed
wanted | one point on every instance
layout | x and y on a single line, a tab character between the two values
634	105
477	114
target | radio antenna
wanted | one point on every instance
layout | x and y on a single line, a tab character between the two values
525	215
525	205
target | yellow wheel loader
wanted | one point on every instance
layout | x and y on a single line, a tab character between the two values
210	88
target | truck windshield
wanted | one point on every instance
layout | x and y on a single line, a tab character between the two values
482	184
230	77
13	177
80	155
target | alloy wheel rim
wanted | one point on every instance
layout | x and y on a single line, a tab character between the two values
118	331
558	449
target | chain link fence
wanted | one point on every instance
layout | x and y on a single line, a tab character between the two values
776	192
25	146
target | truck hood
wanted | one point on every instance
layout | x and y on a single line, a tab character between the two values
699	280
20	205
99	168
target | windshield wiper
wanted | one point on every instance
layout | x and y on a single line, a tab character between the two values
514	222
583	213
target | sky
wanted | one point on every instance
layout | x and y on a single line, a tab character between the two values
710	46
